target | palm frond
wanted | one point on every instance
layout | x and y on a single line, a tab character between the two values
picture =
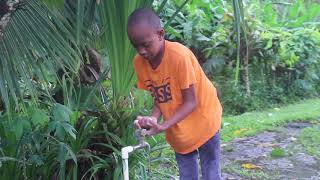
35	40
80	15
113	16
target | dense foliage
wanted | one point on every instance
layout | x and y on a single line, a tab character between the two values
279	49
65	113
67	85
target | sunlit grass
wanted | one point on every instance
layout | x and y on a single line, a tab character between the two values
255	122
310	139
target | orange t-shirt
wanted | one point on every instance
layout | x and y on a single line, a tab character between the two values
178	70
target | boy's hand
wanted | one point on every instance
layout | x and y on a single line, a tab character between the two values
155	128
142	122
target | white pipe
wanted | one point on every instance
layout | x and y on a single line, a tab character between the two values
126	150
125	169
125	156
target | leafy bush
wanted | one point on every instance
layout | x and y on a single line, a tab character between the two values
55	141
281	43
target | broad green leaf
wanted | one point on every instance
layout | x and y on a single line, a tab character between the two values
39	117
69	129
270	16
57	128
17	129
61	128
74	117
61	112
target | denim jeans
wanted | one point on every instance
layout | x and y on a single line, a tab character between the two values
209	160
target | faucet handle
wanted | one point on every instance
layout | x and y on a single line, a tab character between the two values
143	132
140	134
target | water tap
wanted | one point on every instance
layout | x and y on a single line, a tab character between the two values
140	135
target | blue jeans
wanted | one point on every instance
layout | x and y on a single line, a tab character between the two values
209	160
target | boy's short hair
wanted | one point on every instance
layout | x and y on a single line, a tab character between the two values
144	15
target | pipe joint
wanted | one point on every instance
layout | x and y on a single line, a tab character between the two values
125	152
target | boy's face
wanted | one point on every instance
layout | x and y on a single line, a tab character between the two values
146	40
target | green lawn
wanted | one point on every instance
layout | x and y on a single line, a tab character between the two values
255	122
252	123
310	139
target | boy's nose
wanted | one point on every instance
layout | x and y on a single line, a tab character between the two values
142	51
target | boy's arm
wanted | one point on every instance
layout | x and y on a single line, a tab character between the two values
189	104
156	112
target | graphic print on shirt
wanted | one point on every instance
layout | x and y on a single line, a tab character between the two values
160	91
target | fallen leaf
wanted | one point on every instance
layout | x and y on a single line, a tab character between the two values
263	155
293	139
230	178
223	145
268	145
251	166
226	124
239	131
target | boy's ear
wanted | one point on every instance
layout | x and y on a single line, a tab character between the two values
161	34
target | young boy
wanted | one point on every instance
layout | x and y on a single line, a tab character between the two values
182	94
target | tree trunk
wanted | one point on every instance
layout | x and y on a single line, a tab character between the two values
7	8
246	74
245	68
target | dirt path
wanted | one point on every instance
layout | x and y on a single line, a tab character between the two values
255	153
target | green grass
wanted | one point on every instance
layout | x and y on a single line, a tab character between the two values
310	139
278	152
255	122
247	173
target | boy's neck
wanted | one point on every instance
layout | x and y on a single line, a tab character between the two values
158	59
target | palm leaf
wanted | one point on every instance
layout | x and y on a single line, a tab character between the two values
80	14
113	16
35	40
